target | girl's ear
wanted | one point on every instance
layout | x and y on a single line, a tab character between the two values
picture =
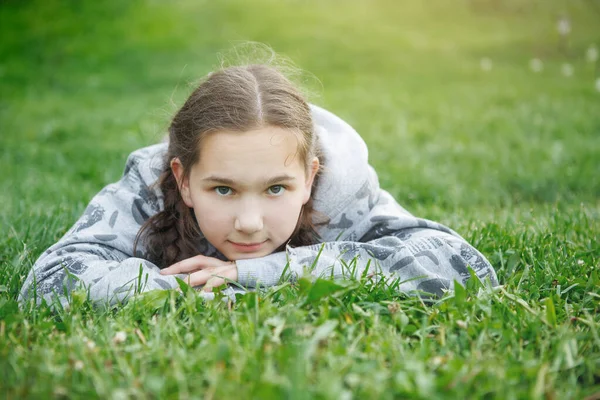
312	172
183	184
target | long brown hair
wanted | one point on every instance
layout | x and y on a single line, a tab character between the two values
239	99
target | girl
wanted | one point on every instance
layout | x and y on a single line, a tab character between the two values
252	179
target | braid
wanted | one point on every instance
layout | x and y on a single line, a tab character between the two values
305	233
171	233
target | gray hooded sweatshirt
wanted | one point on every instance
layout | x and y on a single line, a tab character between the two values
367	228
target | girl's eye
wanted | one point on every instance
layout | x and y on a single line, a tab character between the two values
223	190
276	190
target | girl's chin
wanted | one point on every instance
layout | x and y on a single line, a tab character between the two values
236	257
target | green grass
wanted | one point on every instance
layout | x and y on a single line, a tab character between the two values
509	158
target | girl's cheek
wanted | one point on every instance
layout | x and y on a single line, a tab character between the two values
211	211
215	215
284	210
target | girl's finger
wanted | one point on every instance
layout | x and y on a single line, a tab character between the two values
197	278
222	278
212	283
202	277
186	266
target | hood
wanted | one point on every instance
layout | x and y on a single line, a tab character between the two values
345	177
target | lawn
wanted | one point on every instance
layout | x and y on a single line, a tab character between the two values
479	114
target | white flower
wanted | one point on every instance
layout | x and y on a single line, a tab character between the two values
119	337
567	70
78	365
591	54
486	64
352	379
89	343
598	84
563	26
536	65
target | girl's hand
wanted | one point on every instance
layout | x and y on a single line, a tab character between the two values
203	270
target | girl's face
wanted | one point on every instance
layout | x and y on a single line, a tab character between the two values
247	190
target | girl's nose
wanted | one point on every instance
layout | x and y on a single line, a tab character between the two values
249	221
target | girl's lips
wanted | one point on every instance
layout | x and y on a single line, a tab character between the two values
247	247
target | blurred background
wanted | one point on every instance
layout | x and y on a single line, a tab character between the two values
467	106
480	114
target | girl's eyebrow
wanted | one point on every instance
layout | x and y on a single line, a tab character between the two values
279	179
217	179
231	182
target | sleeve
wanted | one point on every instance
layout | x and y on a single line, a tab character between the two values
424	255
97	252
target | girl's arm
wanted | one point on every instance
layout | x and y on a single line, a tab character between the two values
425	255
97	252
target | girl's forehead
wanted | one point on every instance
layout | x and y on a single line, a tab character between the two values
259	149
275	133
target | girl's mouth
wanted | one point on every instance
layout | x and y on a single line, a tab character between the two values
247	247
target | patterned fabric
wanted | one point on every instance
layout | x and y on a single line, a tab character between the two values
367	228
